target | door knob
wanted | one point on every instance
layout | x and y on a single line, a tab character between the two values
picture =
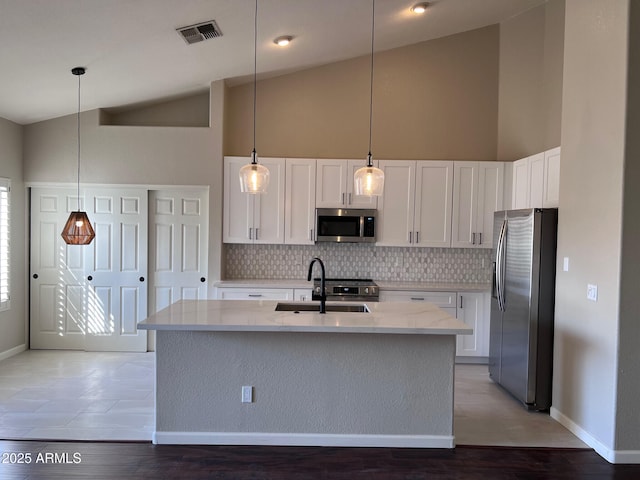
141	279
35	275
89	278
202	279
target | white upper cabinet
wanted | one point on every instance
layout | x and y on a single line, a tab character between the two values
551	191
536	180
250	218
300	201
334	185
477	193
415	209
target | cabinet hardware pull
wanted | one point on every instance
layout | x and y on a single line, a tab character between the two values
410	237
250	233
255	295
349	198
417	237
342	198
480	238
461	301
416	299
311	234
257	233
473	238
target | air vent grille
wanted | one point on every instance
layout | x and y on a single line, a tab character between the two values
199	32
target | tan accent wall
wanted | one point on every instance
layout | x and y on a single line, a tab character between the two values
530	94
432	100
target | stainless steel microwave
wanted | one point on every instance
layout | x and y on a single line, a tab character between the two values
345	225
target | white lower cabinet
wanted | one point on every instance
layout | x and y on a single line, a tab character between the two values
470	307
302	294
471	311
232	293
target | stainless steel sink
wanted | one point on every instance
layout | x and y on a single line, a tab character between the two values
315	307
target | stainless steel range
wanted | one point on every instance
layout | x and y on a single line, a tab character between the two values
347	289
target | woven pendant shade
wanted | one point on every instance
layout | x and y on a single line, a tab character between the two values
78	229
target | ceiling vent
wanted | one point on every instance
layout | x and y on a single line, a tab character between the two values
199	32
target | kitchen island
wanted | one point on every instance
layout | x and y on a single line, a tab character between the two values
383	378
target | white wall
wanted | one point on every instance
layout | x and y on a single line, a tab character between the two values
586	363
12	322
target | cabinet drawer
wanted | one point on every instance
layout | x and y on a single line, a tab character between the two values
225	293
441	299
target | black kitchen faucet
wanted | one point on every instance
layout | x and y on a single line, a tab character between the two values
323	293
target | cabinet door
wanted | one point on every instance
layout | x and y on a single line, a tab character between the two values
268	214
551	178
300	201
521	184
238	206
536	180
353	200
331	183
471	312
396	206
465	204
490	197
444	300
302	294
433	197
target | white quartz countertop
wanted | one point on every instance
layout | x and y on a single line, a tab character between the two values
383	284
260	316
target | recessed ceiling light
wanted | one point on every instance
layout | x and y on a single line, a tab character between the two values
420	7
283	40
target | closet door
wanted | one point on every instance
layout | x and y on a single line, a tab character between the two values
116	270
58	290
178	243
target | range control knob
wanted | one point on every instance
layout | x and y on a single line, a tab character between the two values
317	289
366	290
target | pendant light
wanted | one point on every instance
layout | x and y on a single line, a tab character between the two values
369	180
78	229
254	178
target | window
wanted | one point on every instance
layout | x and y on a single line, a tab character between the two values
4	243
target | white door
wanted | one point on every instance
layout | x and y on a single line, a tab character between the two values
465	203
434	184
268	210
116	270
471	312
58	290
536	180
300	201
396	206
238	206
490	200
331	183
178	243
520	184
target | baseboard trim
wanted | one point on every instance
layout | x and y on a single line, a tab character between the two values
12	351
611	456
303	439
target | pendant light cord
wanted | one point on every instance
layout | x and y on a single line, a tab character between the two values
78	121
373	23
255	73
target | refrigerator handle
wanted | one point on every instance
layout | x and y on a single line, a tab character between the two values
500	267
494	293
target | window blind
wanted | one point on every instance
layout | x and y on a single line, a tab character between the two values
4	244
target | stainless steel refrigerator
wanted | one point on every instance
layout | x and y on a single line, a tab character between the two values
522	304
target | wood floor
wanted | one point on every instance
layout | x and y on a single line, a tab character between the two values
137	461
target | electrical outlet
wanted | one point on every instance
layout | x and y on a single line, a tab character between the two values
565	264
247	394
592	292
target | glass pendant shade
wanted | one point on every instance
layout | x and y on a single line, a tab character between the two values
78	229
254	178
368	181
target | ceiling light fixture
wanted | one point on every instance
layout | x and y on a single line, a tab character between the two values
254	178
420	7
283	40
78	229
369	180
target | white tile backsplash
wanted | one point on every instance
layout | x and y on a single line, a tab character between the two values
344	260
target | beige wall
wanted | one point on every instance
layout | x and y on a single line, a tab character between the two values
586	359
432	100
12	322
627	418
530	93
191	111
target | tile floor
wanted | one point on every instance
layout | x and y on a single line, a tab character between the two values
62	395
